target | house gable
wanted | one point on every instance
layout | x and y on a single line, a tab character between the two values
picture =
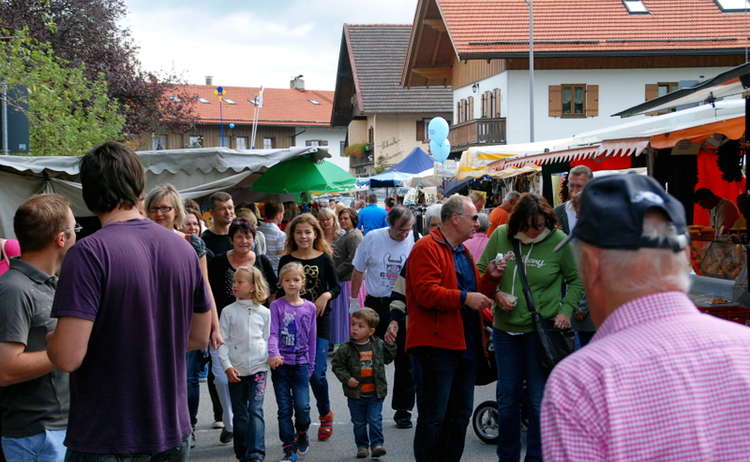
694	33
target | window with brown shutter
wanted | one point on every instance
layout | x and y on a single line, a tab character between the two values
420	130
555	101
654	90
470	115
458	112
573	97
496	109
485	104
592	100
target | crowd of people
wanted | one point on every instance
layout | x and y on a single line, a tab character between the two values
103	340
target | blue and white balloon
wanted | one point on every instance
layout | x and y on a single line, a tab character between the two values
438	129
440	150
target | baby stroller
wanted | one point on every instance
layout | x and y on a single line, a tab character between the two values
486	420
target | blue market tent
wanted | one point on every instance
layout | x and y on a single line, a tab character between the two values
416	162
385	180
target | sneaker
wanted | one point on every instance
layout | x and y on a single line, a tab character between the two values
290	454
378	451
326	427
226	436
362	453
403	419
217	424
302	443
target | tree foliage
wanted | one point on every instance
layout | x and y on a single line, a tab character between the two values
88	32
68	112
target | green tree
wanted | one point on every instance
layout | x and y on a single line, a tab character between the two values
90	32
68	113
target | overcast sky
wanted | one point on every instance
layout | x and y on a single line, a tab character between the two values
255	42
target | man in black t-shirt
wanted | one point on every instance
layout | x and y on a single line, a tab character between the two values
218	243
222	211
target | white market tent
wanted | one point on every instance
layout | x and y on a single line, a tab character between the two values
195	172
629	138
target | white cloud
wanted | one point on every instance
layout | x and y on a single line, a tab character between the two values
253	45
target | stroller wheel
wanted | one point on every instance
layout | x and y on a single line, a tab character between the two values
486	423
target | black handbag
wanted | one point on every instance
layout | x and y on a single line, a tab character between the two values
555	344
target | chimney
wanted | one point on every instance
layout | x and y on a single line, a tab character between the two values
297	83
209	80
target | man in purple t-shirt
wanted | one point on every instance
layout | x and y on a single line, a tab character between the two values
130	302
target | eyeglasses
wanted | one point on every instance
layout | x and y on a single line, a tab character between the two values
165	209
76	229
472	218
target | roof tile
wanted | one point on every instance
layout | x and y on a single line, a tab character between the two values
378	52
671	25
281	106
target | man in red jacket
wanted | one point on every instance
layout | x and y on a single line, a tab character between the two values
444	332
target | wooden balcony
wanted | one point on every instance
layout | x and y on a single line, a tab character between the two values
477	132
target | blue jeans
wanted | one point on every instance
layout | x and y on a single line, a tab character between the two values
318	380
193	367
367	412
180	453
247	406
43	447
445	400
291	387
517	359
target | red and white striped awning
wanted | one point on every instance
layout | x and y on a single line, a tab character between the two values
609	148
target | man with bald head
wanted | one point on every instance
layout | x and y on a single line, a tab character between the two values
659	380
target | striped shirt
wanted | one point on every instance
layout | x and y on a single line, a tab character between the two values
659	381
275	240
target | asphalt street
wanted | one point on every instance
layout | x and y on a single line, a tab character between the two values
341	446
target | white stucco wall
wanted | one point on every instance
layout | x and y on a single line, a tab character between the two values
395	136
618	90
334	136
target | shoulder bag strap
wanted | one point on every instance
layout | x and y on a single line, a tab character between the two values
521	268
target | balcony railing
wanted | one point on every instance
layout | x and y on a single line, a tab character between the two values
476	132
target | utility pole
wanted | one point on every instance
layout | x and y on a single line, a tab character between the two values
531	69
4	116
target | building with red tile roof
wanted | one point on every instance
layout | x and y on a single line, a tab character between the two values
592	59
285	117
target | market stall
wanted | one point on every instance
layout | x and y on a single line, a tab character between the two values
195	172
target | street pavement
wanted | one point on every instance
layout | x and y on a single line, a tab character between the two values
341	446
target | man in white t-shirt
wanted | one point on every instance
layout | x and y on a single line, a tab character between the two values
379	259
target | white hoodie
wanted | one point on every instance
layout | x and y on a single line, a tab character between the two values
245	326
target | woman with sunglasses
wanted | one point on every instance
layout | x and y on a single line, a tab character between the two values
532	224
164	206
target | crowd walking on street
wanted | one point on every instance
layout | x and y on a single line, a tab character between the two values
103	340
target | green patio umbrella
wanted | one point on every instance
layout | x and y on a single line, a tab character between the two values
304	174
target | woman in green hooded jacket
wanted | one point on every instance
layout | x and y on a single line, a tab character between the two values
533	223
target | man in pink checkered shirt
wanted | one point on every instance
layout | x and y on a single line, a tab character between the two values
659	380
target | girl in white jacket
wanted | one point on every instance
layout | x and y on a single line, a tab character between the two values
245	326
